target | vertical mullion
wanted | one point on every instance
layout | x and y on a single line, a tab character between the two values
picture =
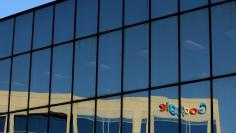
122	67
150	65
179	69
30	71
97	65
10	82
73	68
51	64
211	63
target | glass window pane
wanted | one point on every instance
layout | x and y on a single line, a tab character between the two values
196	107
86	17
136	58
108	115
85	68
6	35
195	45
224	106
164	51
163	7
4	84
110	14
165	121
59	118
2	123
190	4
40	78
20	79
43	27
61	73
38	120
135	113
64	21
23	41
224	38
136	11
215	1
83	117
20	122
109	77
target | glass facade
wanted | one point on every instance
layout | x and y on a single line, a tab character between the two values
120	66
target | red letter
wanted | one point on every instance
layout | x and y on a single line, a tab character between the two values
193	111
162	107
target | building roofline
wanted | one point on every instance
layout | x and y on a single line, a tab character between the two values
31	9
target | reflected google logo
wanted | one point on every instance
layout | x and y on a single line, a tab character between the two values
173	110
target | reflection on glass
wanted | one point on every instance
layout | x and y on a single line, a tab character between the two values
109	74
18	122
40	74
38	121
60	119
110	14
196	108
136	58
83	117
190	4
135	11
195	45
163	118
22	41
86	17
163	7
223	104
4	84
164	51
2	123
64	21
6	35
43	27
61	73
135	113
224	38
108	115
20	79
215	1
85	68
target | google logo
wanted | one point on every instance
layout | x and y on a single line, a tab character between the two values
173	110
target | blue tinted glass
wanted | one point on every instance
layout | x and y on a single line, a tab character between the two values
57	124
163	7
64	21
86	17
23	33
164	51
136	58
195	45
224	108
85	68
143	126
85	125
190	4
20	73
20	124
6	35
110	14
43	27
215	1
136	11
4	83
166	126
61	71
109	78
40	76
224	38
37	123
164	121
4	74
135	112
107	123
198	128
2	124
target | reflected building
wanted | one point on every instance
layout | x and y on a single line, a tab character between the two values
119	66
